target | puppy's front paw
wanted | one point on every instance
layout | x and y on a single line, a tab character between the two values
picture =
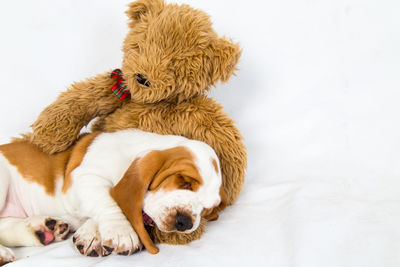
119	239
87	239
48	229
6	255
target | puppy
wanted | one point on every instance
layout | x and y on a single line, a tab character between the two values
104	187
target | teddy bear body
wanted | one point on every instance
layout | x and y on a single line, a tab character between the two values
172	57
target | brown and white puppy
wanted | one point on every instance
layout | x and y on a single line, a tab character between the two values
101	186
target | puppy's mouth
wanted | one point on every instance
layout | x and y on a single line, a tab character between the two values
147	220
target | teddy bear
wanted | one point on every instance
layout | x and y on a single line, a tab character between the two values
171	59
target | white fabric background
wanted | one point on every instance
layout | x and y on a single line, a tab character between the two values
316	98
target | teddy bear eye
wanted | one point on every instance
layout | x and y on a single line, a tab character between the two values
141	79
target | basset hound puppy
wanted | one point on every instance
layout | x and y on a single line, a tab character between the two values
105	187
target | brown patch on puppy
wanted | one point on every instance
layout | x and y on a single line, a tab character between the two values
215	164
34	165
77	155
177	170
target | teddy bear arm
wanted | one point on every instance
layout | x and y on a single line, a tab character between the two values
59	125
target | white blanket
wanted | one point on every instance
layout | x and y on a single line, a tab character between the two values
316	98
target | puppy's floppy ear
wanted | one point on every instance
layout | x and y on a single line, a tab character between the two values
140	8
225	55
131	189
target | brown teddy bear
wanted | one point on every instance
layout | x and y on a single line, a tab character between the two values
172	56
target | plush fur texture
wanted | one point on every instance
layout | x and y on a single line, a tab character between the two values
176	50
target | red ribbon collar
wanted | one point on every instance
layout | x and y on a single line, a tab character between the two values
119	88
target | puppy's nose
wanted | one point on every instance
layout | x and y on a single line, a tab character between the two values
183	222
142	80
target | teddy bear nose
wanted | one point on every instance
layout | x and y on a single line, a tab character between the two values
142	80
183	222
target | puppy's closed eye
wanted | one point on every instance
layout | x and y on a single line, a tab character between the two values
187	183
187	186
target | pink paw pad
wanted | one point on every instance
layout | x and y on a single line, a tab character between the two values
44	236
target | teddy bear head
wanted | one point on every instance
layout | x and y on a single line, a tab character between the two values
172	53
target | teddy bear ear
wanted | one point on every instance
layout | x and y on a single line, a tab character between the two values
140	8
226	55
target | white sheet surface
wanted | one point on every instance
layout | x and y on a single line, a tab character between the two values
316	97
